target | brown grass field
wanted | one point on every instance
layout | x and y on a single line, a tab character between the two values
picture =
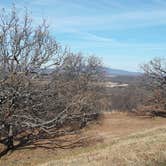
117	139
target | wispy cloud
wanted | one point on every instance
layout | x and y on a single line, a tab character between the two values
94	26
115	21
98	20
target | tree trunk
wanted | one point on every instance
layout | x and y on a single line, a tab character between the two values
10	144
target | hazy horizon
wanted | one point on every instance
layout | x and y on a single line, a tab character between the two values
124	33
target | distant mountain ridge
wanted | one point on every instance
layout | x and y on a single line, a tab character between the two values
108	71
119	72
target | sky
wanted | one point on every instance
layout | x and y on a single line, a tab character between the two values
123	33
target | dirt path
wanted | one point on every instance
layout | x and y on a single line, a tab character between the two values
121	124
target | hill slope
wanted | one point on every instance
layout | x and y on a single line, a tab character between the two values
115	142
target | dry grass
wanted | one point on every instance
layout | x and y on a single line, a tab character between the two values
126	141
143	148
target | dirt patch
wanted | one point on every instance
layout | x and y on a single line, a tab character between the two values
122	124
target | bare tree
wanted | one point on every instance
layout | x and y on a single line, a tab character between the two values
155	80
75	79
23	47
30	111
155	73
75	67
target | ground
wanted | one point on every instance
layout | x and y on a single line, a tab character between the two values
116	139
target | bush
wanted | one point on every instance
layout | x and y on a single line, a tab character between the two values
128	98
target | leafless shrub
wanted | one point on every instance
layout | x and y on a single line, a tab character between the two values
128	98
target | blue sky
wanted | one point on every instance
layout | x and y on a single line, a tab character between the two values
124	33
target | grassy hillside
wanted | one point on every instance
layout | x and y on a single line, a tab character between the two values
142	148
119	139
